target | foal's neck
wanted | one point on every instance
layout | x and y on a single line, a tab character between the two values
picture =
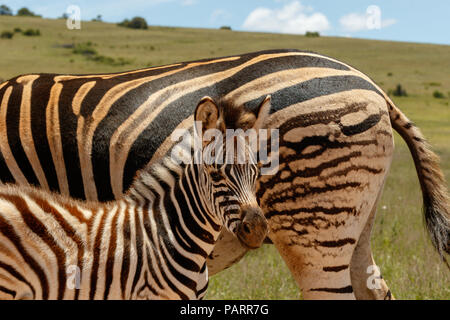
171	198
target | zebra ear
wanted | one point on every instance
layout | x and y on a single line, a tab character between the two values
206	114
262	113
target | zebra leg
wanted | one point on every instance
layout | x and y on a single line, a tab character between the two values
327	263
366	281
320	273
319	243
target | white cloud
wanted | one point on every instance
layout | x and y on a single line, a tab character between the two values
371	20
388	22
291	18
353	22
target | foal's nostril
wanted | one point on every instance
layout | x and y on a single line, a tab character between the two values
253	227
246	227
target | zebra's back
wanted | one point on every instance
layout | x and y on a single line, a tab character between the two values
87	135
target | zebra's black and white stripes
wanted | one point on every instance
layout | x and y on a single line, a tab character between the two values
88	135
152	244
62	129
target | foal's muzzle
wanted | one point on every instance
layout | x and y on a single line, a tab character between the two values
253	228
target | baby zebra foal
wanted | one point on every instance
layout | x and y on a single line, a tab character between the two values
152	244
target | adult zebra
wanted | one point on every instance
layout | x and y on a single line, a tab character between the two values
87	135
153	243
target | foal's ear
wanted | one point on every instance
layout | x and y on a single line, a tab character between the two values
206	113
262	113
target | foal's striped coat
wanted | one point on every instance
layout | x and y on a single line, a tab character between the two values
151	244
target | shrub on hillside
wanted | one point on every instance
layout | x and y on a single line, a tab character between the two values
17	30
25	12
7	35
135	23
85	49
32	32
438	95
110	61
310	34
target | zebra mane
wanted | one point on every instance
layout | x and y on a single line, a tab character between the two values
234	116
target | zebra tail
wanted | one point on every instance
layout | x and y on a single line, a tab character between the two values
436	200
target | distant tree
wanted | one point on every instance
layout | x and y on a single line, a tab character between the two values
310	34
135	23
225	28
399	91
98	18
64	16
25	12
5	11
124	23
138	23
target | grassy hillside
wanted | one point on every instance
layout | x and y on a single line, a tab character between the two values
400	244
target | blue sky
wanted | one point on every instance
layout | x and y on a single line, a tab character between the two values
399	20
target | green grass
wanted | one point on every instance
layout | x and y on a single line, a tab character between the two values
401	247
